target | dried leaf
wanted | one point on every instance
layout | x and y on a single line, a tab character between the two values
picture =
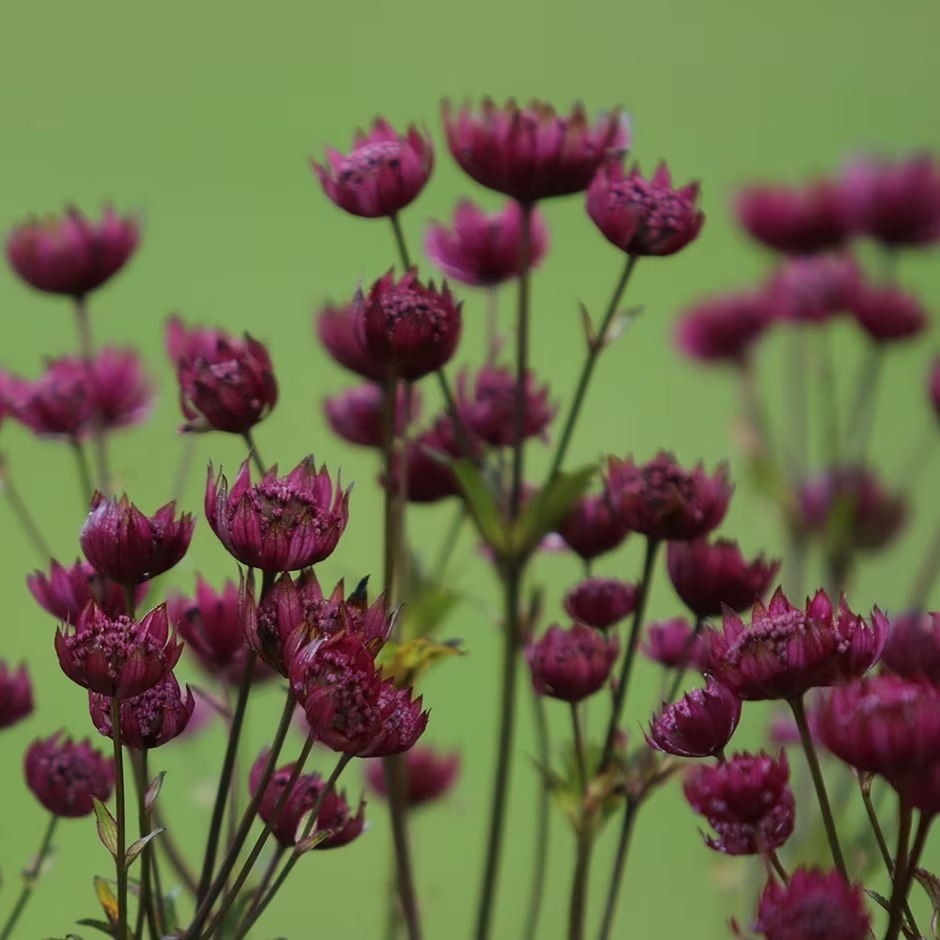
405	663
107	899
153	791
107	827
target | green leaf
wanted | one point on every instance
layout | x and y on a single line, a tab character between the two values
429	603
153	791
107	827
547	508
135	848
482	505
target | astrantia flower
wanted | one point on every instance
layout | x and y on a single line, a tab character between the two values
412	327
60	403
663	501
129	547
787	651
571	664
644	217
66	777
747	800
429	775
279	523
485	248
813	905
592	528
489	410
796	220
913	647
813	290
933	385
888	314
708	577
338	331
119	657
724	328
122	395
148	720
601	602
65	592
16	695
532	153
72	254
674	643
700	724
383	173
358	414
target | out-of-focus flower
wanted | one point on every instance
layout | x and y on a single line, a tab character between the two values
674	643
700	724
571	664
489	411
815	289
338	330
913	647
16	695
65	592
66	777
429	775
601	602
592	528
724	328
888	314
357	415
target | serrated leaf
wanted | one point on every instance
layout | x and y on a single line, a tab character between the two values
405	663
135	848
106	898
107	827
879	899
153	791
931	884
547	508
482	505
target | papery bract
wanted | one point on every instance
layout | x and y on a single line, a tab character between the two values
66	777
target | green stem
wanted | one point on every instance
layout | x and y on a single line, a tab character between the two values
631	809
21	511
777	866
84	475
577	911
184	467
396	787
796	394
400	241
904	876
862	412
146	907
900	883
543	811
683	665
98	430
579	751
830	399
253	452
620	693
262	887
522	357
30	877
799	715
121	814
451	538
587	370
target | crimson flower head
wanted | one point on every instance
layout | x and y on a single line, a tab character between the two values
412	327
661	500
813	905
711	576
601	602
644	217
532	153
571	664
485	249
72	255
888	314
913	647
67	777
117	656
122	395
148	720
675	644
747	800
787	651
348	705
799	220
489	411
724	328
384	172
16	695
429	775
814	289
65	592
128	547
279	523
338	330
700	724
60	403
226	384
592	528
358	414
896	203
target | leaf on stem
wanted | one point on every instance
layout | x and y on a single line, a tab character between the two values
430	602
587	326
107	899
153	791
482	505
405	663
135	848
107	827
542	513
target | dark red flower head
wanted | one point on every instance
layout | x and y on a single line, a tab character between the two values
787	651
128	547
279	523
532	153
813	905
122	395
485	248
601	602
933	385
592	528
747	800
700	724
16	695
799	220
148	720
489	411
644	217
358	414
72	255
896	203
65	592
913	647
338	330
675	644
412	327
888	314
663	501
724	328
429	775
384	172
571	664
65	776
708	577
814	290
226	384
117	656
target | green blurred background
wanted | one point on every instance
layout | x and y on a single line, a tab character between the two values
203	116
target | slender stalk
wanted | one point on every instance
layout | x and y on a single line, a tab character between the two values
146	907
253	452
577	910
451	537
926	575
543	819
799	715
620	694
587	370
460	430
777	866
899	882
30	877
827	376
84	474
295	857
754	411
492	324
400	242
683	666
262	887
796	395
396	785
121	814
23	516
522	356
862	412
579	752
184	467
98	430
904	875
630	813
